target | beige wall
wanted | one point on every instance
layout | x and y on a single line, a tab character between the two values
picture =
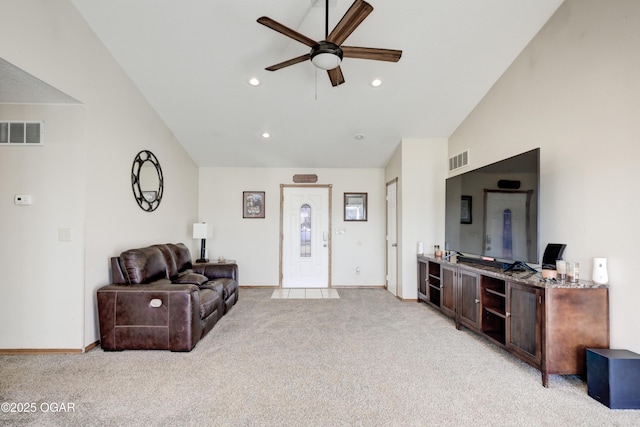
42	284
254	243
575	93
80	179
420	166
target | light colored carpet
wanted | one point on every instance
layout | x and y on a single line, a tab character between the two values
365	359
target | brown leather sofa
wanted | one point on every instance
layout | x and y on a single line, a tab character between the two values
159	300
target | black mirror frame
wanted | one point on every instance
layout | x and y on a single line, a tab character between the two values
143	202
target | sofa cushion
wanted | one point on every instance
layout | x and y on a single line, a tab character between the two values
229	286
191	278
172	268
143	265
209	302
181	255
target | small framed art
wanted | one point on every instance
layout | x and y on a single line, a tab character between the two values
355	206
465	210
253	204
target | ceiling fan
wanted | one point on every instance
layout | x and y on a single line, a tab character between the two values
328	53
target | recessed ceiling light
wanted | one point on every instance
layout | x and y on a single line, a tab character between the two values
266	135
253	81
359	136
376	82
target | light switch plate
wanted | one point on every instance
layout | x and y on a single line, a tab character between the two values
22	199
64	234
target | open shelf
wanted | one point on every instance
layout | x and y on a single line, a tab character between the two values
493	294
496	293
434	294
497	336
495	312
434	269
494	325
492	284
434	280
494	301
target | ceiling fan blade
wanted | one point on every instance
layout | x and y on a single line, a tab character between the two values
336	77
371	53
289	62
358	11
276	26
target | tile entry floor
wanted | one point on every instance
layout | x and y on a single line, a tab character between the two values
296	293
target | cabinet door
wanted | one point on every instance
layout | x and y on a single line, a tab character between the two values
422	280
448	286
524	322
469	292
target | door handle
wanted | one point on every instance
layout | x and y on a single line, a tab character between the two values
395	245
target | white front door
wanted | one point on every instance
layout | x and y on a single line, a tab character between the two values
306	236
392	237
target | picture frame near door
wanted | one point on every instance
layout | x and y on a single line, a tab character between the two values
465	210
355	206
253	204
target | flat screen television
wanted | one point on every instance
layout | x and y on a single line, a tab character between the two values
492	212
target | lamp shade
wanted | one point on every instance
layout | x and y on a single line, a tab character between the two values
200	230
326	61
326	55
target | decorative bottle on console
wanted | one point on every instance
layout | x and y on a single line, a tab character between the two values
437	252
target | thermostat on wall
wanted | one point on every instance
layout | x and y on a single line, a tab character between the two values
22	199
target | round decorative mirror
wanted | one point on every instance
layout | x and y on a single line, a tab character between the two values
146	181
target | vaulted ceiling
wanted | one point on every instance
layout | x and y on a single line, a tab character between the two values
193	59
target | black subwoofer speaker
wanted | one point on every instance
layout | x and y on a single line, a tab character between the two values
613	377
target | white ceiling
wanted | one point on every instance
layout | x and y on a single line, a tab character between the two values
192	61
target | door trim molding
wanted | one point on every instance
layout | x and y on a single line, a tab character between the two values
329	187
386	230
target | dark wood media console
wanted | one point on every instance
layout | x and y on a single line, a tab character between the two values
547	325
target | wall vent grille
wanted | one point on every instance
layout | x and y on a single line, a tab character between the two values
21	133
459	160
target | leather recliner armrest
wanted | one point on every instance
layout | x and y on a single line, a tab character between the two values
159	315
217	271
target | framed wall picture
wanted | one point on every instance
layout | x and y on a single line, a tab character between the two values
253	204
355	206
465	210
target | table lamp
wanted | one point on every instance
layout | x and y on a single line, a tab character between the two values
201	231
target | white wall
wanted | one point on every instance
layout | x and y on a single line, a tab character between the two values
420	166
254	243
575	93
42	284
81	179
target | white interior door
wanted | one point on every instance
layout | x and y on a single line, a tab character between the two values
392	238
306	237
506	225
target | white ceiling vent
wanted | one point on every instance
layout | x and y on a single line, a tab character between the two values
21	133
459	160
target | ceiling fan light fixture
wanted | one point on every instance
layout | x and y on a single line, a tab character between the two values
326	55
